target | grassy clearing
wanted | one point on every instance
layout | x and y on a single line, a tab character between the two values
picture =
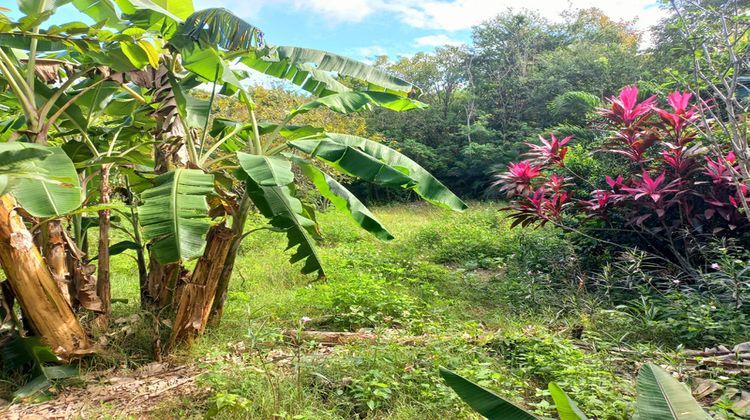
500	306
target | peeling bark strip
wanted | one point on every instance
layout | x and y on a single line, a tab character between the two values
197	296
49	314
55	254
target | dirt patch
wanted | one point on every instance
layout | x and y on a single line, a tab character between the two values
132	394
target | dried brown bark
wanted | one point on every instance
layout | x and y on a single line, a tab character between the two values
160	285
197	296
56	256
49	314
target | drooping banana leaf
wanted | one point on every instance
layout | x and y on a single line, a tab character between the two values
50	186
348	102
353	161
266	171
292	59
284	211
566	407
219	27
343	200
426	185
174	214
662	397
484	401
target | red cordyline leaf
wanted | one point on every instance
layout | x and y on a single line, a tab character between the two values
551	151
556	183
680	117
651	187
718	169
625	108
601	200
518	179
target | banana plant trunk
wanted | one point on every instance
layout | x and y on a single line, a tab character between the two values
49	314
103	285
238	228
196	298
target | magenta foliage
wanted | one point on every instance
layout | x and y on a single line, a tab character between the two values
686	191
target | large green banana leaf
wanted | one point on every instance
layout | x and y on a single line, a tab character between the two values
285	212
343	199
12	162
422	182
348	102
174	214
567	409
267	182
353	161
266	171
48	187
662	397
293	57
484	401
219	27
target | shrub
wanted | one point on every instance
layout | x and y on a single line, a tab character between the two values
671	193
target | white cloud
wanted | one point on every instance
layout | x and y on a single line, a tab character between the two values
447	15
436	41
338	10
457	15
371	51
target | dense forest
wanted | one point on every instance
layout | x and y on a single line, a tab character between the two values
549	221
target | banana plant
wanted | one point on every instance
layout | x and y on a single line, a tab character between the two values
155	52
659	396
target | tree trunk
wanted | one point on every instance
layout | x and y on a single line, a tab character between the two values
50	316
103	286
160	284
238	228
197	296
57	259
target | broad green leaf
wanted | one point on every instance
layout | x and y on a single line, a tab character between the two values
348	102
194	111
100	10
484	401
426	185
376	78
309	78
119	248
220	28
35	7
266	171
286	213
135	54
151	52
12	162
353	161
662	397
174	214
344	200
566	407
177	10
56	191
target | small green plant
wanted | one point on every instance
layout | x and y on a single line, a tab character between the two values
660	396
30	355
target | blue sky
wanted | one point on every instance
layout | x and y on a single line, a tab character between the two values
364	29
